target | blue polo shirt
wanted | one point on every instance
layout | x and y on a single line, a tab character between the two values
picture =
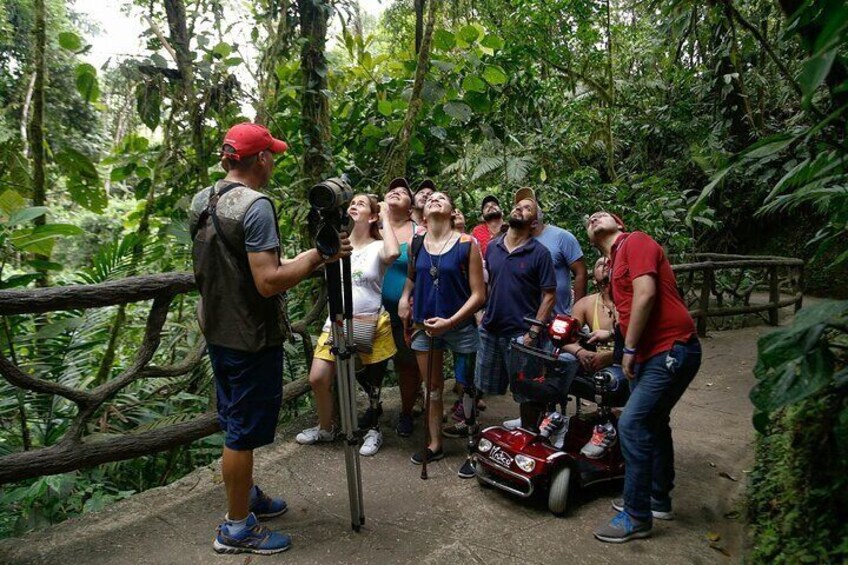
516	281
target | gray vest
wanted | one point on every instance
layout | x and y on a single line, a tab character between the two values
233	314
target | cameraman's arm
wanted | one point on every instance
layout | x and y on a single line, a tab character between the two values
391	247
272	278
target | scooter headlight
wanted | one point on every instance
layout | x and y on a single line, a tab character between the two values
526	464
484	445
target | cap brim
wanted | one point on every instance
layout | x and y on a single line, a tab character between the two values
399	181
489	199
278	146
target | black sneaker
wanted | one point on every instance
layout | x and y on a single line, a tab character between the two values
404	425
418	458
460	429
467	471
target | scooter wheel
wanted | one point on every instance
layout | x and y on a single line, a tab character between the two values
558	493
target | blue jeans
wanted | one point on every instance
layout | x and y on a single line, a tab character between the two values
644	427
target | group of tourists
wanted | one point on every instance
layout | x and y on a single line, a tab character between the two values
421	286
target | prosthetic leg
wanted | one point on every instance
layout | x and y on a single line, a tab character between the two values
469	401
370	378
340	298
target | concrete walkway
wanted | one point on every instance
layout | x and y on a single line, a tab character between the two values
444	519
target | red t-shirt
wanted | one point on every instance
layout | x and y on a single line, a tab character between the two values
637	254
482	234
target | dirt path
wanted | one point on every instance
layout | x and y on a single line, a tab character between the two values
444	519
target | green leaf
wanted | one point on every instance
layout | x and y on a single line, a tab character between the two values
17	281
495	75
87	82
474	83
492	42
385	107
26	215
769	146
148	101
371	130
460	111
233	61
469	34
120	173
11	202
73	161
814	71
70	41
222	50
444	40
40	239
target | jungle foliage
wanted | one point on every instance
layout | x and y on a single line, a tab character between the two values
714	126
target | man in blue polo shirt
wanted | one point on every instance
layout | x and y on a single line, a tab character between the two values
521	283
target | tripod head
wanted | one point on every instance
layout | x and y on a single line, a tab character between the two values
329	199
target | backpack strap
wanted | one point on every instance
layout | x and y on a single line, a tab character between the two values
414	250
465	243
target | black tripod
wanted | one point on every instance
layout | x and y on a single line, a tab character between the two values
340	299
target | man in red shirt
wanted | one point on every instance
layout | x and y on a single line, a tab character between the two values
492	224
661	356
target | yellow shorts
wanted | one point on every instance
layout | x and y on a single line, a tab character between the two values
384	344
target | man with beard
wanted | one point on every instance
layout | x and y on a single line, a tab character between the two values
425	189
521	283
492	223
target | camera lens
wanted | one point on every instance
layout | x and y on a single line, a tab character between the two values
322	196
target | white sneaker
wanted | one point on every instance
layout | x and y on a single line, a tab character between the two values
512	424
371	443
315	435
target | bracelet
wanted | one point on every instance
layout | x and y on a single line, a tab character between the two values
629	350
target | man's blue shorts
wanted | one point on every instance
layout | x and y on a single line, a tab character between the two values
250	392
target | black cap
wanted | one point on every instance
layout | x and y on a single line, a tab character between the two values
426	183
400	181
489	198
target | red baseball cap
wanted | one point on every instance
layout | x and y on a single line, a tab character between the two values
248	139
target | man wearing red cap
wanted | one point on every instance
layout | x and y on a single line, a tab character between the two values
661	356
242	281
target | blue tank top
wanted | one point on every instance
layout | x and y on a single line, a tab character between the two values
445	299
394	280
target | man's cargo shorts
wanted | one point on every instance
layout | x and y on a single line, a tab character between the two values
249	389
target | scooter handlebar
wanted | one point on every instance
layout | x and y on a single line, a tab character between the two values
533	321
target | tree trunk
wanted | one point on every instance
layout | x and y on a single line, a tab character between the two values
276	50
315	110
396	160
610	101
419	23
36	130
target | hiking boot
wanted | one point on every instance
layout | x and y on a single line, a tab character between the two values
512	424
460	429
372	442
603	438
263	506
404	425
418	458
622	528
618	504
253	538
315	435
368	419
467	471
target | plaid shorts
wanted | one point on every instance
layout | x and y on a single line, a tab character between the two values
491	375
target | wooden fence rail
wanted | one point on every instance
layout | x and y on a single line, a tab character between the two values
714	285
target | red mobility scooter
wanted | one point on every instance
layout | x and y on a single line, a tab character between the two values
524	461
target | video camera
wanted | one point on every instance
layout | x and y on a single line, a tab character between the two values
329	200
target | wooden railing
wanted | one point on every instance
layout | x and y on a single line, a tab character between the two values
76	450
718	286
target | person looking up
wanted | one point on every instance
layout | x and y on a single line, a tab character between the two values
398	199
422	194
446	282
371	256
661	356
491	224
242	280
522	284
567	256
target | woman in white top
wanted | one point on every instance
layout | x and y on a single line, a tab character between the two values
372	254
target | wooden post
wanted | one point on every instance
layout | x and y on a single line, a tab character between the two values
799	290
704	302
774	296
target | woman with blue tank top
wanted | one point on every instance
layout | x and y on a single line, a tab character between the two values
398	201
445	281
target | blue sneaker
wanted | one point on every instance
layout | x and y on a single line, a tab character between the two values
622	528
254	538
263	506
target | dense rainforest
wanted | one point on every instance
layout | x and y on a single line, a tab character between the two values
715	126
